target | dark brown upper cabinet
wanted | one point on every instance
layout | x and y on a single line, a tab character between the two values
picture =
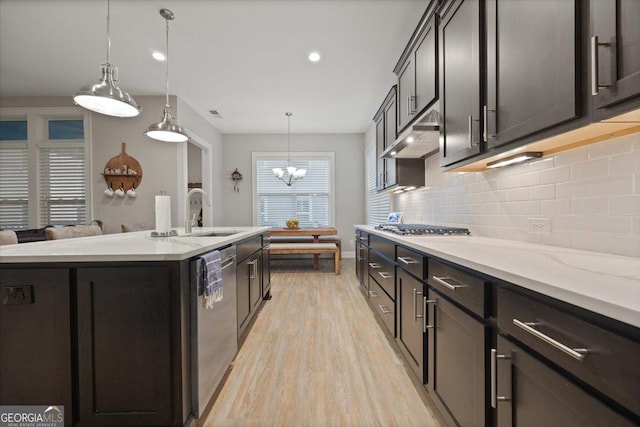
385	120
459	61
417	72
614	55
531	71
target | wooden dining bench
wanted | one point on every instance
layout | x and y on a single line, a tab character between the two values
308	248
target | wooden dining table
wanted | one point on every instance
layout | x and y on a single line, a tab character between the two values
316	232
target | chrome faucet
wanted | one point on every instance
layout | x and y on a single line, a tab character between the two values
187	220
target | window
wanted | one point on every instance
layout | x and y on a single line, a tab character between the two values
43	172
14	175
310	200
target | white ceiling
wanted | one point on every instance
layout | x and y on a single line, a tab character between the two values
246	59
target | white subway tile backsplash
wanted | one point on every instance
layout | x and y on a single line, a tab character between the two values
556	207
625	163
597	242
625	205
590	206
591	195
523	180
571	156
610	224
628	246
571	190
622	145
592	169
611	185
542	192
556	175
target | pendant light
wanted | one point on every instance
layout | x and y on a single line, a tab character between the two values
294	173
105	97
166	130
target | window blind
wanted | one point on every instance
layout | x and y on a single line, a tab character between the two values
14	185
308	199
62	186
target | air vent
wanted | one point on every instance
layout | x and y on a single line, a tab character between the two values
215	114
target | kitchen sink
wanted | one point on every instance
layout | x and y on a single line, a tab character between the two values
213	233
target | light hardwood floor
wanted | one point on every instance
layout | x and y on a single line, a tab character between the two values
316	356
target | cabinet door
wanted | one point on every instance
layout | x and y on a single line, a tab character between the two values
124	346
459	41
390	114
531	68
426	67
457	362
243	272
410	322
615	22
529	393
266	272
254	277
35	325
379	149
406	93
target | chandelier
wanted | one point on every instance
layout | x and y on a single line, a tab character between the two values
293	172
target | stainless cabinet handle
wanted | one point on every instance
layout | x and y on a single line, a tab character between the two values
416	316
385	275
411	104
486	123
373	294
384	309
470	135
595	83
443	282
252	272
374	265
577	353
407	260
426	301
494	378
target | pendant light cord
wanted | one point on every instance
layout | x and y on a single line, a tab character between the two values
108	34
167	74
289	139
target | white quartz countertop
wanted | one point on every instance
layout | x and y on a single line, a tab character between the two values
135	246
604	283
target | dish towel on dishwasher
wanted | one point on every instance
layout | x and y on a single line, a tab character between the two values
211	278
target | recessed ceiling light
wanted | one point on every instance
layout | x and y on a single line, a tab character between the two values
314	57
158	56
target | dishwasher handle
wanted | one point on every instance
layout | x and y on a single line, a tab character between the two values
227	262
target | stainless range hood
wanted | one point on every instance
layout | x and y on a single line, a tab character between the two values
418	140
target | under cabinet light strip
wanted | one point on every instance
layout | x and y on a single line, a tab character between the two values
518	158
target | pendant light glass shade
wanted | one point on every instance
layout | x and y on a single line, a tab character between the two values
105	97
294	173
166	130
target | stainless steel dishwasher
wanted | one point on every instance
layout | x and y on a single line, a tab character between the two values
214	336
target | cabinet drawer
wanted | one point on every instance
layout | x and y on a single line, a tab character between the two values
610	363
383	272
384	246
247	247
384	306
412	261
462	287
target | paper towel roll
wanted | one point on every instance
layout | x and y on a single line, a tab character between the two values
163	214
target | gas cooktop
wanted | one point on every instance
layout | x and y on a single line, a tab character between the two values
422	229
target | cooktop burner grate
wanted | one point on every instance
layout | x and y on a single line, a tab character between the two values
423	229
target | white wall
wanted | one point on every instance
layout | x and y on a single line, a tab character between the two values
349	175
591	195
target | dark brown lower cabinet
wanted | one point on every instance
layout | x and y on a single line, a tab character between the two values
457	361
248	291
124	347
35	343
410	321
530	393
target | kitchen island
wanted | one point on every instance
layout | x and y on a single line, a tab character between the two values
103	324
